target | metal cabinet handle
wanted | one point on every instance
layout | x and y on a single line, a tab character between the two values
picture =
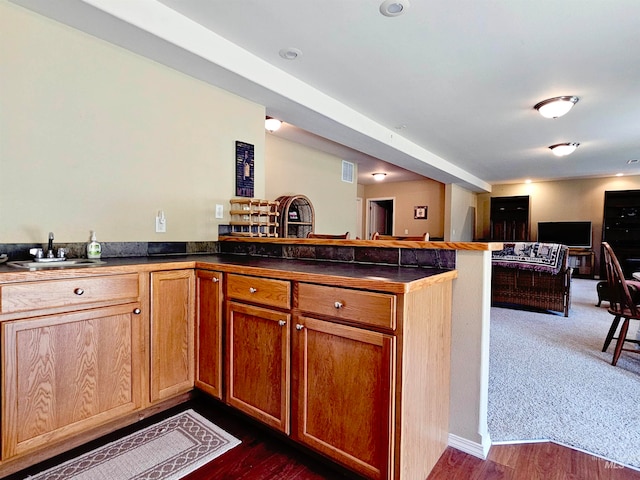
215	279
78	291
338	305
299	327
252	290
136	311
282	323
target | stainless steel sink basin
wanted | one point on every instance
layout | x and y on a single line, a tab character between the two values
68	263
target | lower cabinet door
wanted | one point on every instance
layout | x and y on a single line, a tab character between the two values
343	381
64	374
172	333
209	321
258	365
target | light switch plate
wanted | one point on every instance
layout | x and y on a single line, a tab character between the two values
219	211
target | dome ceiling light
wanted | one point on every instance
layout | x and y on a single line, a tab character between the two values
378	177
556	107
272	124
563	149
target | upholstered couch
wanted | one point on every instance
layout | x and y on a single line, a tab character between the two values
532	275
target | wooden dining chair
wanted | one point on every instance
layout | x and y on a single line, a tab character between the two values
344	236
621	305
416	238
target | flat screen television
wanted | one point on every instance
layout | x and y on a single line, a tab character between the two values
572	234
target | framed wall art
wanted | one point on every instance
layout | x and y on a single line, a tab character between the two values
420	213
244	169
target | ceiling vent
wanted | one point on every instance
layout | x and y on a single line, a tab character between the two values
347	171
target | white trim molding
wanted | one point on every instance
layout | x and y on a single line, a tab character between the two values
472	448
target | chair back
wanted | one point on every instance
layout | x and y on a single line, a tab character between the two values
416	238
621	301
344	236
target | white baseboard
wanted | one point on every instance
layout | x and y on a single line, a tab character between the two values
472	448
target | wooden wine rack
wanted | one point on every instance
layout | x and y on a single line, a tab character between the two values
253	217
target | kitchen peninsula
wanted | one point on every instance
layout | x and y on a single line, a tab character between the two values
322	319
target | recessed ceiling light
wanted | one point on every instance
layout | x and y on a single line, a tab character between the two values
562	149
619	174
528	180
393	8
290	53
379	176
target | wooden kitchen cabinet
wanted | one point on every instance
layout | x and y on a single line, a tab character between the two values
258	348
64	374
172	333
343	394
209	323
258	363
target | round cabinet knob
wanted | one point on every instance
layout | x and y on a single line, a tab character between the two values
299	327
215	280
282	323
136	311
252	290
78	291
338	305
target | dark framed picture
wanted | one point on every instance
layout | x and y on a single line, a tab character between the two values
420	213
244	169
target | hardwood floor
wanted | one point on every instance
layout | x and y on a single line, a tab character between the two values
266	455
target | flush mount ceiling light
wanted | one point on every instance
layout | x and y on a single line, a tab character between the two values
562	149
272	124
393	8
379	176
290	53
556	107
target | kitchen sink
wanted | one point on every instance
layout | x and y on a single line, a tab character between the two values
68	263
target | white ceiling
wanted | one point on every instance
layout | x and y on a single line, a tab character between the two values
445	90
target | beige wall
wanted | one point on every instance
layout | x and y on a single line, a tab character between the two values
95	137
565	200
295	169
460	214
408	195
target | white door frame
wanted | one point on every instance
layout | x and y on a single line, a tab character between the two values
393	214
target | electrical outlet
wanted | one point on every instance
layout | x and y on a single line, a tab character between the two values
406	231
219	211
161	222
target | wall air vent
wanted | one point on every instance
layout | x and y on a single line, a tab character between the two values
347	171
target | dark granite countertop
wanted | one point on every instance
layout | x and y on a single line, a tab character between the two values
392	279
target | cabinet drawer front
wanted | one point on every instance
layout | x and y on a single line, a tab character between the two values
266	291
368	308
22	297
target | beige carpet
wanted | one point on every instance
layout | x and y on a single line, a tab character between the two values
167	450
549	380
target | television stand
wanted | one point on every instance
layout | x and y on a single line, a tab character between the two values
582	262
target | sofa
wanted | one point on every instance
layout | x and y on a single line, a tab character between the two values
532	275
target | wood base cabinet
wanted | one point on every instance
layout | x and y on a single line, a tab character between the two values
343	394
64	374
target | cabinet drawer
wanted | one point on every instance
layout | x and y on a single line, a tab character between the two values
369	308
22	297
266	291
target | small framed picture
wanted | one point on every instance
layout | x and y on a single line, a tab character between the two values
420	213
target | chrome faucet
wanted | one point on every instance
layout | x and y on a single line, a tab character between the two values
39	256
50	247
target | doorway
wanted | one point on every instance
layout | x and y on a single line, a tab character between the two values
380	216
